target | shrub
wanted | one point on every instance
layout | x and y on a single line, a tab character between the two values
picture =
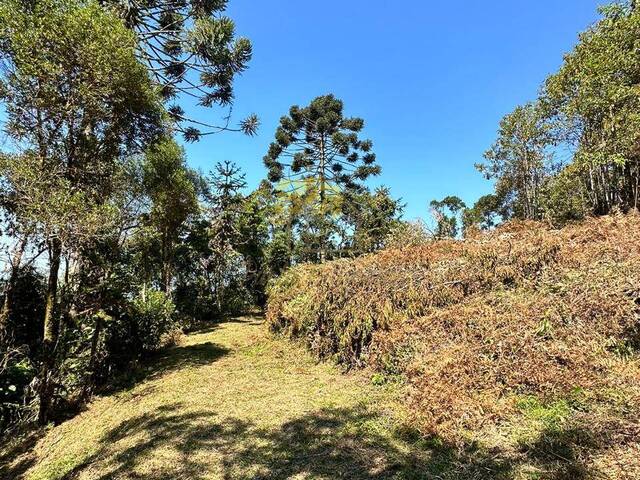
16	372
475	324
153	317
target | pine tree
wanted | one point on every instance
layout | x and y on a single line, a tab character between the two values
226	182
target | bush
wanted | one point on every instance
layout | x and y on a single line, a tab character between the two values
153	320
16	372
473	325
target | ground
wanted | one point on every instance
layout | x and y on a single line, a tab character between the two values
233	402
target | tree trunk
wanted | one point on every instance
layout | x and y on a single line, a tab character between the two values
166	265
7	305
51	332
86	389
323	212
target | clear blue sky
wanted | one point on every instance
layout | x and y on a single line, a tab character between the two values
431	79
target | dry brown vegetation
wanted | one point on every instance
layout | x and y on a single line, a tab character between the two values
524	325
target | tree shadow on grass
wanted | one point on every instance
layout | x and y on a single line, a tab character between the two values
167	361
17	456
349	443
330	443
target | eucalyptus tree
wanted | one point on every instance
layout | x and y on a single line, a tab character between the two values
173	192
77	101
318	147
446	213
191	50
520	160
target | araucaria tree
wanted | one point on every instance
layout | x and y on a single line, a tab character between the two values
226	200
191	51
318	149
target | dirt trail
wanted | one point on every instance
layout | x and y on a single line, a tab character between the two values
232	403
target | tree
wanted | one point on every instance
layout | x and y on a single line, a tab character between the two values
226	201
191	50
172	189
595	101
370	218
484	214
519	161
319	148
253	229
77	101
446	213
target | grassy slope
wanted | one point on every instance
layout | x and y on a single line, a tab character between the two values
232	402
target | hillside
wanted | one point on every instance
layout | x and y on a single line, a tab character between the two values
512	355
523	341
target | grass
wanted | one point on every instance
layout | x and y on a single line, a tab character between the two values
233	402
229	402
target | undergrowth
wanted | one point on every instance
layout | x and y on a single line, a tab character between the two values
492	332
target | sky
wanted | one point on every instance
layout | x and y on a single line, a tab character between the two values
431	79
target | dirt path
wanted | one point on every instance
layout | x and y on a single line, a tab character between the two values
233	403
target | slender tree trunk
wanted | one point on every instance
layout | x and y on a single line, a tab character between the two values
166	278
636	187
51	332
86	389
166	265
323	212
290	238
7	305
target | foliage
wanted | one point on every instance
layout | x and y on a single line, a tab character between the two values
172	191
519	161
484	214
226	201
573	152
191	50
153	316
371	217
100	211
77	102
522	310
320	148
594	97
446	213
